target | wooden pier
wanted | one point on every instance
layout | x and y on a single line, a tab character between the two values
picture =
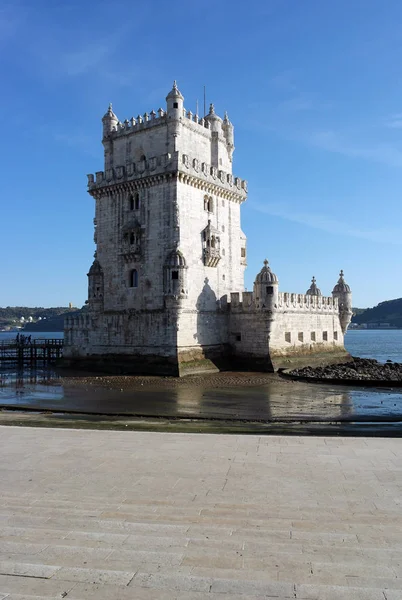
35	352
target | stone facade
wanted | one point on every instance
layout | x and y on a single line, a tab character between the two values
166	289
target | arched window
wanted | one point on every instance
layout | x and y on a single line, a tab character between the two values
137	201
143	157
132	237
210	204
133	278
131	202
205	202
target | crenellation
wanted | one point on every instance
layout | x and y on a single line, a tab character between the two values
166	287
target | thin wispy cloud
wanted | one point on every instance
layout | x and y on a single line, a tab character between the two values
394	121
79	62
331	141
327	223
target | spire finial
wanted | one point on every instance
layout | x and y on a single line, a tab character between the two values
226	118
341	273
211	109
265	263
175	84
313	280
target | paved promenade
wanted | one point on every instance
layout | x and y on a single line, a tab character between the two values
115	515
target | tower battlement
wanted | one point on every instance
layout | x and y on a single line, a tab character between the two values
246	302
170	253
187	168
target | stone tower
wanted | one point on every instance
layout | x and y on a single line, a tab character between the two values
169	247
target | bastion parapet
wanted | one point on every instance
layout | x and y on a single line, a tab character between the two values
166	289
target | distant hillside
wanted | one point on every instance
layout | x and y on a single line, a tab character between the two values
54	324
42	319
389	312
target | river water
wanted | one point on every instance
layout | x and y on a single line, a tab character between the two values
222	396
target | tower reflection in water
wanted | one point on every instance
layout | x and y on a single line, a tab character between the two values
264	403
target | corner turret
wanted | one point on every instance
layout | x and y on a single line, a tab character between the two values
266	288
344	295
174	103
214	120
95	286
109	121
313	290
228	132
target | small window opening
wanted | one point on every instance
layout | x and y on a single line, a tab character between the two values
325	336
223	252
210	205
269	290
134	278
213	242
335	335
300	336
288	337
223	277
223	228
175	105
143	157
238	337
137	202
175	274
132	238
243	253
312	335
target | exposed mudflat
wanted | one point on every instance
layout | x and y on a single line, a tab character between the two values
230	402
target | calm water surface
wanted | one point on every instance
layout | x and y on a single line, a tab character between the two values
375	343
276	400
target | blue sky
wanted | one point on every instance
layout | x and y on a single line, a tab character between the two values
314	90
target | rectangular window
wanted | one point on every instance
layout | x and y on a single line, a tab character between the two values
288	337
335	335
238	337
175	105
175	274
300	336
269	290
325	336
312	335
243	253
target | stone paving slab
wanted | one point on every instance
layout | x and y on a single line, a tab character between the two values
136	515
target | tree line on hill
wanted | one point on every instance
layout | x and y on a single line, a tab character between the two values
388	312
41	319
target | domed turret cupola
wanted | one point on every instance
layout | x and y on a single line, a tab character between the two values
174	103
109	121
175	279
215	122
95	286
266	288
344	295
313	290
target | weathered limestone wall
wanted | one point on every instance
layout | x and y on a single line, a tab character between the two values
137	341
300	330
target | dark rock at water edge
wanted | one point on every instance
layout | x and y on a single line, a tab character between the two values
359	369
